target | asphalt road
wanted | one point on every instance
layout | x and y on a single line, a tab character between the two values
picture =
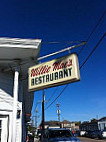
83	139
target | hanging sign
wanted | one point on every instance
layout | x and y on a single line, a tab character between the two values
54	73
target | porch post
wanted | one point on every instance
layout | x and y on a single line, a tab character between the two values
15	99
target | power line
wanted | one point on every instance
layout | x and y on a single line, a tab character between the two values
93	50
57	97
52	94
97	24
80	68
56	42
78	53
89	34
93	30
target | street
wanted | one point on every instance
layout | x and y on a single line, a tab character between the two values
83	139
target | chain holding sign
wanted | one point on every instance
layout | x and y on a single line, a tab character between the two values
54	73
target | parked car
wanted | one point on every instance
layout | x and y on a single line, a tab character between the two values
82	133
58	135
77	133
104	133
39	133
88	133
93	134
30	138
96	134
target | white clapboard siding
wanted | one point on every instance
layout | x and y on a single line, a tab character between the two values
6	102
6	91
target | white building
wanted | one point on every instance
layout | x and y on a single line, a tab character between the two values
102	123
16	56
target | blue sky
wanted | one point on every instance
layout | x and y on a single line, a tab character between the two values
64	20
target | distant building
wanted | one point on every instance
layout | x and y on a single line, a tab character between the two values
102	123
66	124
51	124
69	125
76	127
97	125
89	126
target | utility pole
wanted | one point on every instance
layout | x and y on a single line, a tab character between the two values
36	111
43	114
58	111
97	117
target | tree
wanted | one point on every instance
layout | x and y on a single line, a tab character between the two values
93	120
78	123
